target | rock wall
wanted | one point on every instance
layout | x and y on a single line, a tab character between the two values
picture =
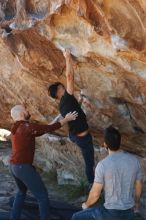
107	40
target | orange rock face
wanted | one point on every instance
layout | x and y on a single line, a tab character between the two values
107	39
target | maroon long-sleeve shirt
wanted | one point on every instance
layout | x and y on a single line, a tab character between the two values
23	140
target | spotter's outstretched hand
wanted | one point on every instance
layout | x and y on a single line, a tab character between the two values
71	116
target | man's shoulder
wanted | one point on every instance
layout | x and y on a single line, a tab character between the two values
131	156
67	94
19	125
122	155
67	97
101	163
119	160
105	160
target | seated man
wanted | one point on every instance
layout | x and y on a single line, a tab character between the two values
119	174
23	149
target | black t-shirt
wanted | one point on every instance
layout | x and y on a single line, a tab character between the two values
68	103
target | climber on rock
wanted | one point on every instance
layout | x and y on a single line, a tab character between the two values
78	129
120	176
23	149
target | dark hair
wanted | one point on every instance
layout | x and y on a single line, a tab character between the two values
52	89
112	138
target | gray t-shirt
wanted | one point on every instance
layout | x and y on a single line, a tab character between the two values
118	173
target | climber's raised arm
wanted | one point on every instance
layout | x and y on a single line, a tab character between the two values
69	72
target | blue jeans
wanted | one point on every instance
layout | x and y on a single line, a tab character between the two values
86	146
26	177
100	213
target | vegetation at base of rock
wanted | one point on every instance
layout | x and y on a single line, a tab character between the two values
70	191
